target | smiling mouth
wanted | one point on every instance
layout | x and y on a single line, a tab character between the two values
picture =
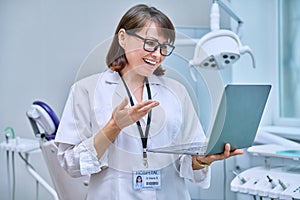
151	62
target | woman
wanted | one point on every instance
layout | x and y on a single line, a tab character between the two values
110	119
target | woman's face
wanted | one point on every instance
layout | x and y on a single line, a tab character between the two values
139	60
139	179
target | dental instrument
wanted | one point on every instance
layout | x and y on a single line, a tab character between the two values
273	185
10	134
242	179
282	184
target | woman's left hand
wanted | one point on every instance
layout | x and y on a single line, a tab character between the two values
199	162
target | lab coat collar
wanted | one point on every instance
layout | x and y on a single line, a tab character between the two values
113	77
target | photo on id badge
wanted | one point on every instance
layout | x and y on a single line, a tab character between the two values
146	179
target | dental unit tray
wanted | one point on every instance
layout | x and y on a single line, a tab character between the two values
237	120
22	145
275	150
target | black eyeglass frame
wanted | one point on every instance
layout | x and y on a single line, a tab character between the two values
155	48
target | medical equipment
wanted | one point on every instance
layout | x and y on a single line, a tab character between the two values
14	145
44	123
277	182
42	115
219	48
10	134
272	183
27	147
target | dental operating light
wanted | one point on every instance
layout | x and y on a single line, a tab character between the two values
219	48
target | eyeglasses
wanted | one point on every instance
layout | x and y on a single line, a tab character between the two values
151	45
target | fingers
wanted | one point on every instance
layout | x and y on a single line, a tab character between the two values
139	110
214	157
226	152
125	116
229	153
146	105
140	107
124	103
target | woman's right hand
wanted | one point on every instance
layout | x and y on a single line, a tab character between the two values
125	116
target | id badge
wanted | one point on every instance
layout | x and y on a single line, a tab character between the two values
146	179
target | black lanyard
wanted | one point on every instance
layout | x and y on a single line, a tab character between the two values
144	138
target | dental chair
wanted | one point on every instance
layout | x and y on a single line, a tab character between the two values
44	123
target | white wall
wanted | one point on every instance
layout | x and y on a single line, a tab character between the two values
260	33
44	42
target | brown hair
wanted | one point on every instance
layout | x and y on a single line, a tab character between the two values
135	18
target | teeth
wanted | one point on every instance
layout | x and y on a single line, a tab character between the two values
150	61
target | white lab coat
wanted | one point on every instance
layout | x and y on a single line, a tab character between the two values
89	107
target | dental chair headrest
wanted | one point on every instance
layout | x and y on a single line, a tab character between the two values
45	117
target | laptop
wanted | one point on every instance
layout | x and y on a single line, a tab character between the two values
236	122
